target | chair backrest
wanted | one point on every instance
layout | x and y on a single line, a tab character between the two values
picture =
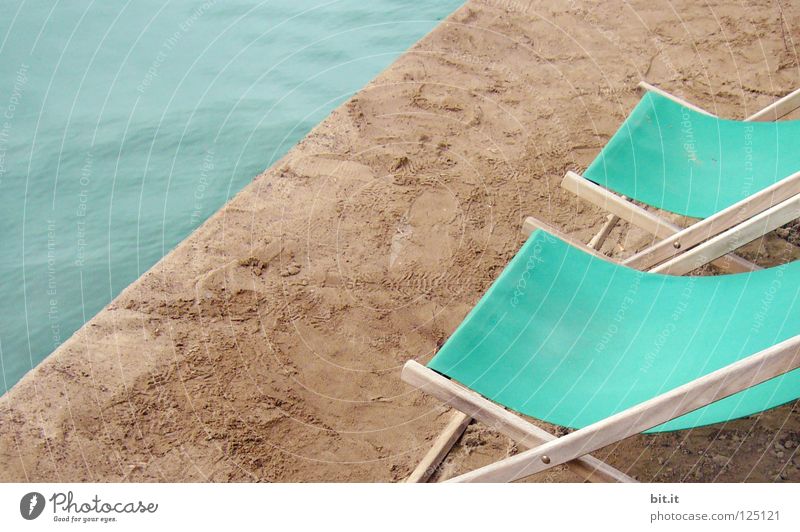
570	338
683	161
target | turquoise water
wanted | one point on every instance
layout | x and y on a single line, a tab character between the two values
124	125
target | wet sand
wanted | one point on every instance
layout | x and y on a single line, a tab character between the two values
268	345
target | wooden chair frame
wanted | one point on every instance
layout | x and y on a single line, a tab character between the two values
547	450
675	241
573	448
679	251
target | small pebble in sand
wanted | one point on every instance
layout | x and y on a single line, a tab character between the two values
292	269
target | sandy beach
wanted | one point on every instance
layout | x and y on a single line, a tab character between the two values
268	345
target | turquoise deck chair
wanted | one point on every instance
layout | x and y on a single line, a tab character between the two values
574	339
678	158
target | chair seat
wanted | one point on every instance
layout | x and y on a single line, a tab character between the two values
569	338
693	164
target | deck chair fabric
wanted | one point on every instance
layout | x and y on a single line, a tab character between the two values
725	211
693	164
569	338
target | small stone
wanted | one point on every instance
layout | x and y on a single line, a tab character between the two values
789	444
292	269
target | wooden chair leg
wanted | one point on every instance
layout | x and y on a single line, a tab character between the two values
748	372
448	437
599	239
498	418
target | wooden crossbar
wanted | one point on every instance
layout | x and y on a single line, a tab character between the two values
773	112
733	238
717	231
664	230
778	109
652	88
746	373
493	415
720	222
655	225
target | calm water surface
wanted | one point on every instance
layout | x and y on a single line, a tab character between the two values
124	125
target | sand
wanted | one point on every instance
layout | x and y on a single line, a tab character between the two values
268	345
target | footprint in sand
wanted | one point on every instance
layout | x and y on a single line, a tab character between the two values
424	236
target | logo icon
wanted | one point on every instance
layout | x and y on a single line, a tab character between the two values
31	505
